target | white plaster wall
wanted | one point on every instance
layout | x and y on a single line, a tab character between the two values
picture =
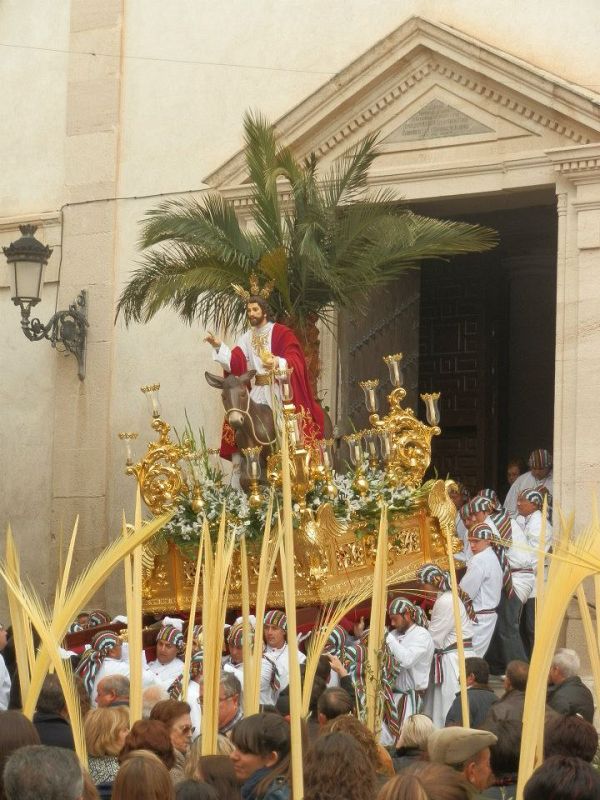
33	67
193	70
27	379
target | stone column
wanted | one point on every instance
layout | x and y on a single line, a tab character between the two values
577	417
92	147
577	410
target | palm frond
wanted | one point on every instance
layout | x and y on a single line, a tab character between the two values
332	244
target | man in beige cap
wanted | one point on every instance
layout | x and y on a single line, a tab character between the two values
467	750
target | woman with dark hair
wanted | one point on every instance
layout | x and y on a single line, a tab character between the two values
152	735
15	731
143	776
215	770
570	735
426	781
563	778
175	714
335	768
261	758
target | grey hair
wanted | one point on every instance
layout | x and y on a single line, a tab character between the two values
150	697
119	684
567	662
416	731
231	684
39	772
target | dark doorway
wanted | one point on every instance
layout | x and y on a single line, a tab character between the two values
479	329
487	342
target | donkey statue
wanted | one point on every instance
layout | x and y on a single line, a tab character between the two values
252	423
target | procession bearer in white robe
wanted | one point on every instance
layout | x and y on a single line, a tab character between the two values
168	666
234	663
412	647
530	505
444	680
276	648
483	582
539	477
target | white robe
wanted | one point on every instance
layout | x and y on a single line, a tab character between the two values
192	699
532	531
267	696
523	482
281	658
462	533
483	583
5	684
165	674
119	666
521	559
222	355
442	630
413	652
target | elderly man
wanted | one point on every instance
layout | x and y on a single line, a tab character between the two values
112	691
412	647
38	771
466	750
539	476
510	705
230	711
567	693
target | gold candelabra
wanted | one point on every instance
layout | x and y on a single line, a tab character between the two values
396	441
405	441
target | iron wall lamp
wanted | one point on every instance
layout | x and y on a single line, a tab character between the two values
27	258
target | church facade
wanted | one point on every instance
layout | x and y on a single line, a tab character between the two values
136	104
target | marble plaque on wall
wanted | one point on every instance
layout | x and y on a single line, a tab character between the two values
436	120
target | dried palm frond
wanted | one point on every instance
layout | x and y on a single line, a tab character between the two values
572	561
21	625
215	590
289	588
189	643
86	584
377	624
40	616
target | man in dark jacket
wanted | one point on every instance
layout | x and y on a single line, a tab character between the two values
50	718
479	694
567	693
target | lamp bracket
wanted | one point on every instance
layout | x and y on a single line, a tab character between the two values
67	327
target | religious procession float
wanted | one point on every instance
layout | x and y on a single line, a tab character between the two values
339	489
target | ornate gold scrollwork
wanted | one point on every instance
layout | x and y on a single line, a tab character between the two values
158	474
410	441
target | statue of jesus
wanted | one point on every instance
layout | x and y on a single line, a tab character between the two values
265	347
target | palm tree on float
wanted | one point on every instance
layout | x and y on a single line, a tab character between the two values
325	241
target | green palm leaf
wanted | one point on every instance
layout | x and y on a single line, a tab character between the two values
325	240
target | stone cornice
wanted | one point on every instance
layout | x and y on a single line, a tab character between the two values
44	219
582	161
398	63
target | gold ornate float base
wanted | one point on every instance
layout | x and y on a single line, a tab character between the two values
331	559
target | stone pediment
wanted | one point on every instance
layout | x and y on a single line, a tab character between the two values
428	87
